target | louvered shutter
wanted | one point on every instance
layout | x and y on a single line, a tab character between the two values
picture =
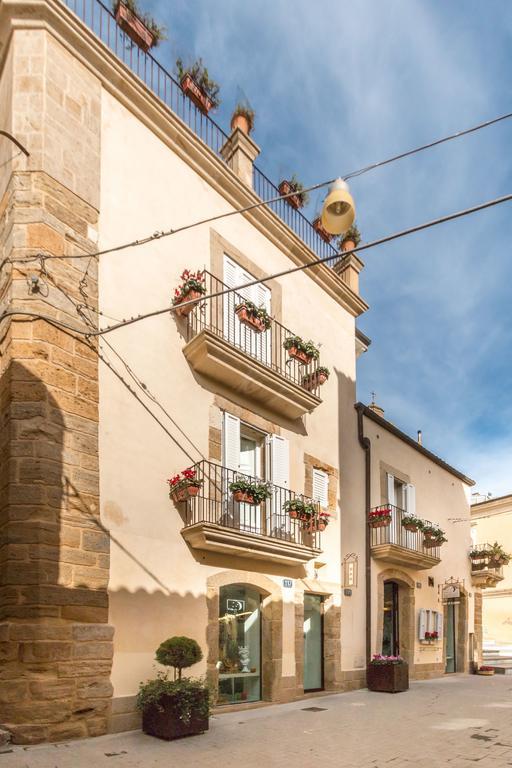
422	627
321	487
261	296
279	460
410	499
231	279
391	489
231	442
439	624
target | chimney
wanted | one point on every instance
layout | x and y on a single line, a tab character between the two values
420	437
240	152
348	268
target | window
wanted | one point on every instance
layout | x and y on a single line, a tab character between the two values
257	345
321	487
401	495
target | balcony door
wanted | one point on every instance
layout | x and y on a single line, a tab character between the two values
255	344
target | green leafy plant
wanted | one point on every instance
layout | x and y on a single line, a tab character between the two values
158	31
498	554
412	520
353	234
178	652
307	347
258	312
322	370
199	73
183	698
300	507
244	110
298	188
192	281
434	533
258	490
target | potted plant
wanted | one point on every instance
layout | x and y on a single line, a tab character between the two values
299	198
389	674
179	707
324	234
321	522
412	523
196	84
298	509
498	556
250	491
255	318
431	636
350	239
380	517
243	118
479	559
193	287
302	351
140	27
433	536
484	670
184	485
314	380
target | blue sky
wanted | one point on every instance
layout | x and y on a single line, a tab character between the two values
337	85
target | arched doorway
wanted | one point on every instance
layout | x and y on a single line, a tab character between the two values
395	615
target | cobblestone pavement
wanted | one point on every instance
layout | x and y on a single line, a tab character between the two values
456	721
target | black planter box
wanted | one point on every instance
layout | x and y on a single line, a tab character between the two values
167	725
388	678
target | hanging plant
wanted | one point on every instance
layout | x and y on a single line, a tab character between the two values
316	379
197	85
193	287
350	239
299	198
140	27
302	351
184	485
243	118
255	318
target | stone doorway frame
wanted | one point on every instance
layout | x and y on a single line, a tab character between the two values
461	634
406	612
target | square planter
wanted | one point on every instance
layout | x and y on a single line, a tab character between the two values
167	725
293	200
196	94
388	678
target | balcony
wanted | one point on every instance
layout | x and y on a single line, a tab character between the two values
394	544
215	522
485	571
255	365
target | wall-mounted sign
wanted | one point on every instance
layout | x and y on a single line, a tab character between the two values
288	583
350	570
235	606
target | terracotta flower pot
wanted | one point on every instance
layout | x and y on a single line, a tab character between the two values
347	245
240	121
410	527
184	311
382	523
430	543
299	355
252	322
196	94
321	525
134	27
313	381
293	514
324	234
185	492
293	200
243	496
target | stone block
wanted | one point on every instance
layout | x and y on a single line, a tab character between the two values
12	691
44	238
95	689
75	729
96	541
96	726
93	650
27	734
84	632
85	613
42	690
45	651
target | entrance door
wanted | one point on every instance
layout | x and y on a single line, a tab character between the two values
449	637
390	629
313	643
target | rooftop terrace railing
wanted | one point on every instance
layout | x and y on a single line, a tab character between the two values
99	19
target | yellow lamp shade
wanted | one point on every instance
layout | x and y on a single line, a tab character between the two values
339	211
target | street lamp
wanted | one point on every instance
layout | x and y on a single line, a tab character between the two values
338	211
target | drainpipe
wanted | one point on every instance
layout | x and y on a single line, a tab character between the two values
365	444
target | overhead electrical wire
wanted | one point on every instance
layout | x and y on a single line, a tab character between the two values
353	174
237	289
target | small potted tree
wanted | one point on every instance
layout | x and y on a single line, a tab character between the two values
255	318
389	674
197	85
316	379
184	485
297	196
179	707
250	491
140	27
192	287
380	517
350	239
243	118
412	523
302	351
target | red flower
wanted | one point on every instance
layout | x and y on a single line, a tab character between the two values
189	474
174	480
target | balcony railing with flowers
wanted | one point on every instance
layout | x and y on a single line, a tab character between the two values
391	530
215	503
268	347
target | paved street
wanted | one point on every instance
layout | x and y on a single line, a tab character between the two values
456	721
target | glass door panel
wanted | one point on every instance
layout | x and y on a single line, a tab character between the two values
250	515
390	639
239	662
313	643
449	637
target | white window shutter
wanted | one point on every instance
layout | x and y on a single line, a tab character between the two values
410	499
279	461
229	300
321	487
423	618
439	624
391	490
231	441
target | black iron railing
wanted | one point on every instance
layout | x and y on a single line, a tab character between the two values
215	504
98	18
395	533
218	316
483	558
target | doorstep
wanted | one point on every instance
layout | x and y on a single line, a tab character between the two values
225	708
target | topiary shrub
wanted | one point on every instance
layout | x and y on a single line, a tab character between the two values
178	652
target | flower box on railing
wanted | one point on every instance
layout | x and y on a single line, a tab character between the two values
433	536
318	227
302	351
246	491
255	318
293	200
184	485
193	287
316	379
196	94
134	27
380	517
